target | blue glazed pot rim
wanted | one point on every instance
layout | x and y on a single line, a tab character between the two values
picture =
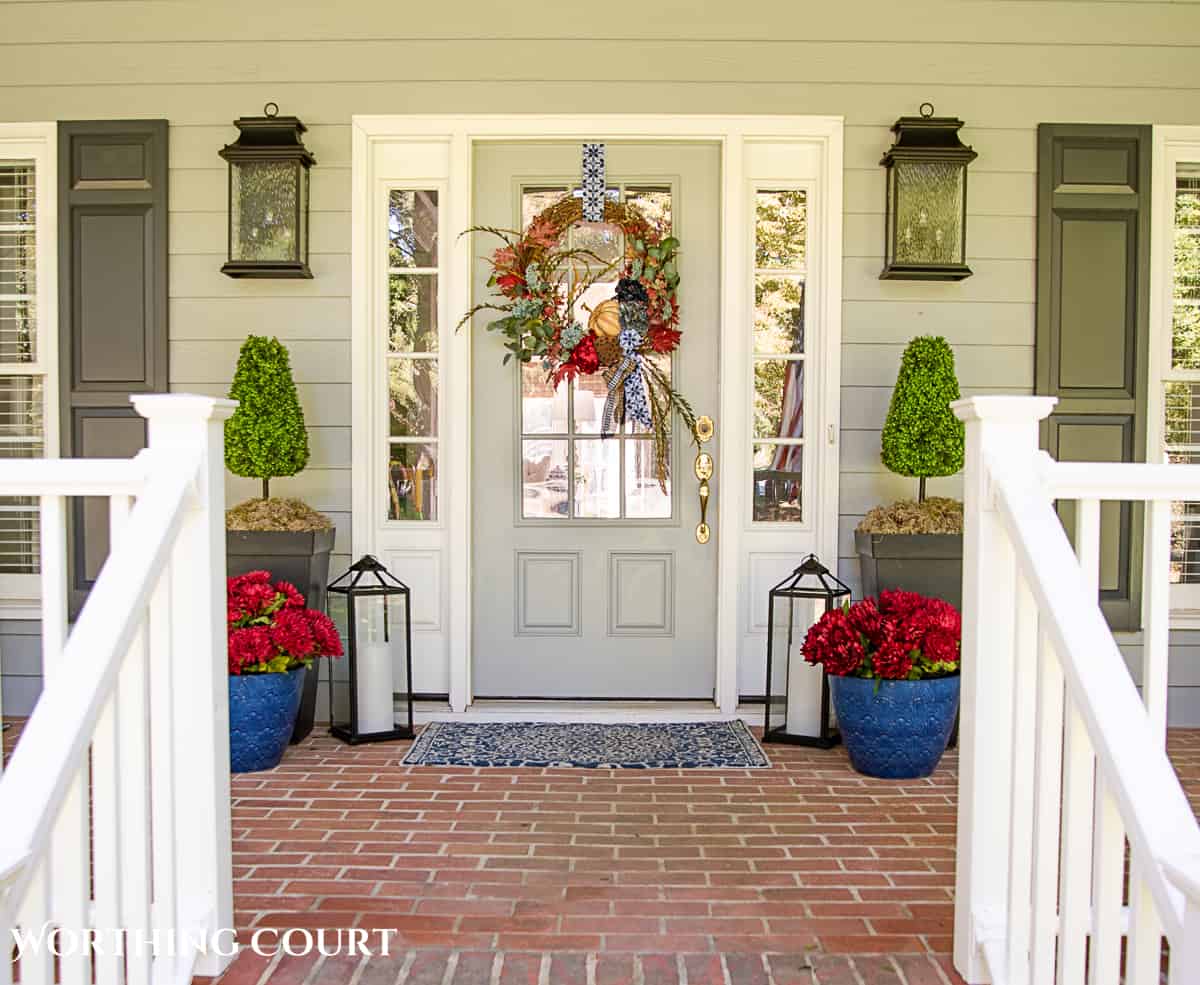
893	680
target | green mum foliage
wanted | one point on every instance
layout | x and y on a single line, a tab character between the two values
265	437
921	436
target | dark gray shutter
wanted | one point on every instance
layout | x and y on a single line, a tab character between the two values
1093	322
112	302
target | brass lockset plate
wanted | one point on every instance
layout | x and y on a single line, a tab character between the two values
704	428
704	466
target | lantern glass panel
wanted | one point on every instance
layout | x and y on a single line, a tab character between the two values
264	210
379	643
929	207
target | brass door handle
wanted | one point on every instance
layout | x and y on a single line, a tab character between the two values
703	469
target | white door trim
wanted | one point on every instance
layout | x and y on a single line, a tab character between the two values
437	150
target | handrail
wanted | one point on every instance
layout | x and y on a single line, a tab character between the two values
1141	773
48	755
1137	481
75	476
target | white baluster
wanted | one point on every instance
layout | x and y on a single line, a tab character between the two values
1156	617
68	871
1020	853
1047	812
37	964
163	767
1144	958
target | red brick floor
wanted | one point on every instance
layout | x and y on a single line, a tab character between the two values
804	874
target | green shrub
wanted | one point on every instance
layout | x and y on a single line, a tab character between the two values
921	436
265	437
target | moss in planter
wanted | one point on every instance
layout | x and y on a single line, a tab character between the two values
276	513
936	515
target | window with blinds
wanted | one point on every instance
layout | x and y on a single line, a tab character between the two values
22	373
1181	383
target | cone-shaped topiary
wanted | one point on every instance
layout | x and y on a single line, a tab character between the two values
265	437
921	436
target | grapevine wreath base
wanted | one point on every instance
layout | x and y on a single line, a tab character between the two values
539	281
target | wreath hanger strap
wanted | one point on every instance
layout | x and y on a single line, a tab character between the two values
595	182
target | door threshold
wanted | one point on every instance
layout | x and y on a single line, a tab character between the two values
498	710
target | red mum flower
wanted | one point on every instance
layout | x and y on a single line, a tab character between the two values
864	617
835	643
294	600
895	602
328	642
249	646
291	634
892	660
940	647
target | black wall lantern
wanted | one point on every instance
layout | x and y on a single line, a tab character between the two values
374	632
926	233
799	702
268	197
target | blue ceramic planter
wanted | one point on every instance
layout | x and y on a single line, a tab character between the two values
262	713
899	731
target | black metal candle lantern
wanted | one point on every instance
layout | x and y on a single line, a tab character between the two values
926	231
268	197
811	583
372	596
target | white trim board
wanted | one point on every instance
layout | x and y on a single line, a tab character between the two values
436	152
1173	145
20	594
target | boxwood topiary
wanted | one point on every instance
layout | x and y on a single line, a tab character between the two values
921	436
265	437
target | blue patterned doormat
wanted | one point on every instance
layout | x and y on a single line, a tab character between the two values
675	745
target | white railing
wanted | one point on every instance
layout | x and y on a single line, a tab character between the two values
1064	772
114	808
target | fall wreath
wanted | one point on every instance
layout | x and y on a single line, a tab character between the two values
540	281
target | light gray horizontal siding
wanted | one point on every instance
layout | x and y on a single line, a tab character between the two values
1001	65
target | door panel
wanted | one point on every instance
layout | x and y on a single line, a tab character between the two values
589	581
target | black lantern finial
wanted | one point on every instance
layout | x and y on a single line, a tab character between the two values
926	231
815	584
268	197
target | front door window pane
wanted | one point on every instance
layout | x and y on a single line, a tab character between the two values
544	479
597	478
644	497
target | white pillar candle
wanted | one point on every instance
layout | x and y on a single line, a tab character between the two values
804	679
376	711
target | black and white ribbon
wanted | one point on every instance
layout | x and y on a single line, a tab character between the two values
595	181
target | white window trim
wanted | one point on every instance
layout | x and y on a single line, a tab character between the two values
20	594
436	151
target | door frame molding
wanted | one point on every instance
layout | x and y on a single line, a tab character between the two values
438	150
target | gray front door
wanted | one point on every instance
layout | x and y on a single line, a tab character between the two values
588	579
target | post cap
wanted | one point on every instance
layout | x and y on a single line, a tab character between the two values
182	406
1004	407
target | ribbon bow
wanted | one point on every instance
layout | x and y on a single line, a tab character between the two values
629	382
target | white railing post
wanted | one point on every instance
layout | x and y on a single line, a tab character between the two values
1000	431
182	424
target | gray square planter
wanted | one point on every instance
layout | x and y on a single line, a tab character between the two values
927	563
301	557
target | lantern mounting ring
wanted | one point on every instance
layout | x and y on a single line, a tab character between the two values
271	110
926	110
